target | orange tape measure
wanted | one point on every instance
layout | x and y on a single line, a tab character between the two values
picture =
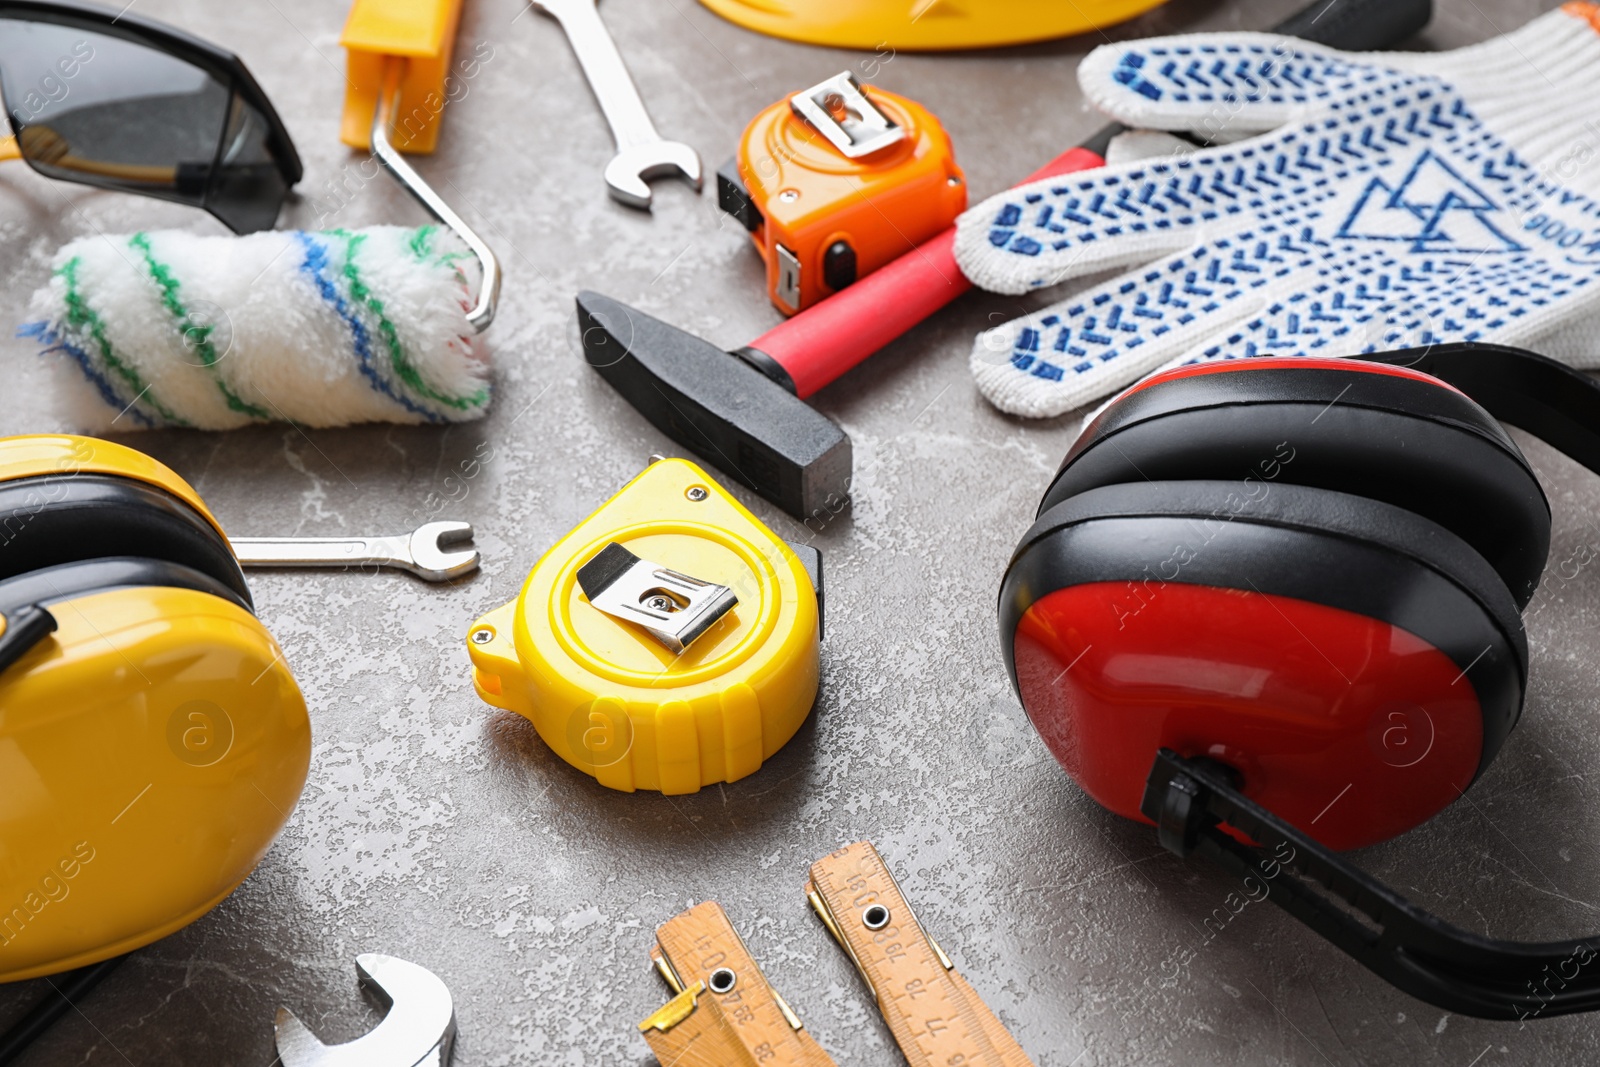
725	1013
935	1016
836	181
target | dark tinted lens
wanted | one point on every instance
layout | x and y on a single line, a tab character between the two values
93	108
248	186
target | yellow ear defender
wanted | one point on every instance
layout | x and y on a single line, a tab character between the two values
887	26
152	740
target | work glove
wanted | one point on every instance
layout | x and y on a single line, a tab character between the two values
1398	200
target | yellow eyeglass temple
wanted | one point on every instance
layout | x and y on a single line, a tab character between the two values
9	149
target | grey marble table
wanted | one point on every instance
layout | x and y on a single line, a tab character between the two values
439	830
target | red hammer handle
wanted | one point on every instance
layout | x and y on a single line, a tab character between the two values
822	342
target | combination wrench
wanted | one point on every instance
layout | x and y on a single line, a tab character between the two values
420	552
641	152
418	1031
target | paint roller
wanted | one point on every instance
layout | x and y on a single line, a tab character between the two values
319	329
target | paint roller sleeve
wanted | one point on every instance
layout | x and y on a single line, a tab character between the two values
319	329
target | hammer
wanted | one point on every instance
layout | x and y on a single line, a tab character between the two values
742	411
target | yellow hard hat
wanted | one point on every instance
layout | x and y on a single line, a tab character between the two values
925	25
152	741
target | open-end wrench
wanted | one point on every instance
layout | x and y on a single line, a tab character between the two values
419	552
419	1031
641	152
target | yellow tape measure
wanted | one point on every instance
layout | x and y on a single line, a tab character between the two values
725	1013
935	1016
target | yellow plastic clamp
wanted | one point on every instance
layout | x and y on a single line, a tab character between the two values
423	33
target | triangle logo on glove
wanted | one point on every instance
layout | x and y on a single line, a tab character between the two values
1434	210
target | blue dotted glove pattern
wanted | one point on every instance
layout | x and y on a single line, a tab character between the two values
1388	216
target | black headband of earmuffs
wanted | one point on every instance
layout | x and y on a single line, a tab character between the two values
1416	951
68	536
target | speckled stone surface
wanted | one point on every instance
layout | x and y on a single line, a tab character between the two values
439	830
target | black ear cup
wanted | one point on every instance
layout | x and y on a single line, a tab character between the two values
64	581
1358	428
58	519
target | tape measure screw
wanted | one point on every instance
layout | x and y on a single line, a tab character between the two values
789	196
876	917
696	493
482	637
722	980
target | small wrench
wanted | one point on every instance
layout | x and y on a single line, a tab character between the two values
641	152
419	1031
419	552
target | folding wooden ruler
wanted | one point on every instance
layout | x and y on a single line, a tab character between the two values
935	1016
724	1014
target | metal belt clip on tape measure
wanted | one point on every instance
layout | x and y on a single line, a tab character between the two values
836	181
935	1016
725	1012
669	642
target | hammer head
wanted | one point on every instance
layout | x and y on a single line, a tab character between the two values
719	407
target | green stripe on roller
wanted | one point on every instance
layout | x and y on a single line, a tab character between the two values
422	247
391	337
199	336
422	242
81	316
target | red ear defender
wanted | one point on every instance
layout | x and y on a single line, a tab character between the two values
1276	603
1225	565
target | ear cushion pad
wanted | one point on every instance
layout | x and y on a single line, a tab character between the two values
69	518
1336	549
1407	441
65	581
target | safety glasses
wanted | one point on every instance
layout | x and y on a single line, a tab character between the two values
119	102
